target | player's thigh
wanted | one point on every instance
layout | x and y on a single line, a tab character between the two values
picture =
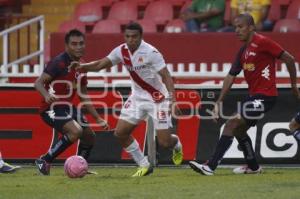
57	117
235	126
124	128
164	137
253	108
73	128
160	115
132	112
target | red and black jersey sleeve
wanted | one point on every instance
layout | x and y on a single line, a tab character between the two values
271	47
237	65
52	69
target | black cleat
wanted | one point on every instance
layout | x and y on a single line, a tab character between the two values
43	166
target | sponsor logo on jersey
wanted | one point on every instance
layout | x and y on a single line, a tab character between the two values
266	73
249	66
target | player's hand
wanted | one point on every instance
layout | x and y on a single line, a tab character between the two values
216	112
75	65
103	123
50	98
296	92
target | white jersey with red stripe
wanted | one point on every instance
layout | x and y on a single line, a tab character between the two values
143	66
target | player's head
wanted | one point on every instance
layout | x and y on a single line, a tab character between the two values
133	35
75	43
244	26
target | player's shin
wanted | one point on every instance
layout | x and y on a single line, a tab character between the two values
58	148
223	145
84	150
134	150
249	154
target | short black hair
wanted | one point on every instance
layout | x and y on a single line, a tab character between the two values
71	33
134	26
248	18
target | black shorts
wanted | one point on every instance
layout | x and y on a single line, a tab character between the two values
253	108
60	115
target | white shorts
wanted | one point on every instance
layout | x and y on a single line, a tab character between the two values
134	110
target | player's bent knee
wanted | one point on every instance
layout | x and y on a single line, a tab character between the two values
293	125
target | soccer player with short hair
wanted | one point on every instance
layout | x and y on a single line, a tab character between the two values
152	95
58	85
257	59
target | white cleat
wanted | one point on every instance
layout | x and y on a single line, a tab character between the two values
201	168
246	170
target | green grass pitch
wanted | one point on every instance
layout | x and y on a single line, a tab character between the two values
164	183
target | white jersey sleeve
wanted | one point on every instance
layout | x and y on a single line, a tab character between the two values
157	60
115	56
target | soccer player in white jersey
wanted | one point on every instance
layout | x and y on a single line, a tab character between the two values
152	95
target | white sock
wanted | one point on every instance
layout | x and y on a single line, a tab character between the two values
1	163
178	145
137	155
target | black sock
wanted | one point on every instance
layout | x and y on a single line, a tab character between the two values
222	146
249	154
58	148
297	135
84	150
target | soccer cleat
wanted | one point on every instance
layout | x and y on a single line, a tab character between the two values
246	170
201	168
7	168
43	166
177	156
91	173
143	171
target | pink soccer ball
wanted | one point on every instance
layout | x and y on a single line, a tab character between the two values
76	167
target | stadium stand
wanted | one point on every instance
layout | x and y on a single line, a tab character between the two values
70	24
175	26
88	12
159	11
123	11
149	26
293	11
287	25
107	26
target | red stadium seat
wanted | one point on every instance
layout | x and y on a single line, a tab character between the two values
159	11
293	11
88	12
175	26
185	6
149	26
68	25
123	11
143	3
105	2
227	14
176	2
107	26
287	25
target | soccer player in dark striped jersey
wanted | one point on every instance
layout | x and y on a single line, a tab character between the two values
58	85
257	60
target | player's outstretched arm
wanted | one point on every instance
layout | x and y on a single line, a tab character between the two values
93	66
289	60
